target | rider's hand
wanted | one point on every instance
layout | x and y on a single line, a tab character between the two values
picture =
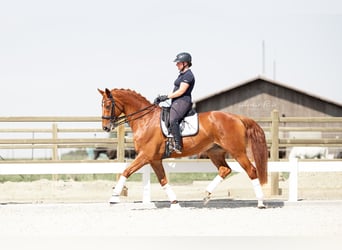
161	98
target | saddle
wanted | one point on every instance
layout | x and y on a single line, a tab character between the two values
188	126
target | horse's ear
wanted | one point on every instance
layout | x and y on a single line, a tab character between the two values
108	93
100	91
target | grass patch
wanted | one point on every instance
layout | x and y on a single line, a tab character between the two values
176	178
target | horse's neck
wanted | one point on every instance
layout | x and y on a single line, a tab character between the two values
133	103
145	118
138	114
133	109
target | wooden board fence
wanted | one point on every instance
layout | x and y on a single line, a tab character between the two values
276	128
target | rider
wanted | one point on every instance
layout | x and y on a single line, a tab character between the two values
181	97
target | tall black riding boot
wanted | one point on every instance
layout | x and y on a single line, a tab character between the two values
177	137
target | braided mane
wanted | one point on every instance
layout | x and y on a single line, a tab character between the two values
129	92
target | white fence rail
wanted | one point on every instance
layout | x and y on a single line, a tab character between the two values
171	166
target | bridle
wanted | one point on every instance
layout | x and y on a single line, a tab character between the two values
117	121
112	117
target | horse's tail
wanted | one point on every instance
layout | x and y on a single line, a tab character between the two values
257	141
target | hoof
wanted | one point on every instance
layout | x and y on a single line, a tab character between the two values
261	205
115	199
206	199
175	205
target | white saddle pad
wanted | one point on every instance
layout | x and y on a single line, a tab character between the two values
188	127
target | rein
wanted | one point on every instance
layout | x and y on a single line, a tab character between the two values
124	119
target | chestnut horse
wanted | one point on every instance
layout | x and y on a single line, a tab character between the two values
219	133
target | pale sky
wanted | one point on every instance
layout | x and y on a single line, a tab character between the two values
55	54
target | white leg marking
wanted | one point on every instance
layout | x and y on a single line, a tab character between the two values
170	194
117	190
258	193
212	185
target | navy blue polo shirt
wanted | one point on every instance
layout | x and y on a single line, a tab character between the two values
188	78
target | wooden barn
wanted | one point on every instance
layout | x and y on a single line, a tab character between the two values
259	96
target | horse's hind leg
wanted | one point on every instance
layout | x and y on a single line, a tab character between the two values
252	173
217	156
160	173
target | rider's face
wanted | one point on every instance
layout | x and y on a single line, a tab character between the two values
180	65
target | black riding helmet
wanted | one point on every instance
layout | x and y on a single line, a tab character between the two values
184	57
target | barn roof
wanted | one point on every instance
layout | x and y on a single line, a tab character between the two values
271	82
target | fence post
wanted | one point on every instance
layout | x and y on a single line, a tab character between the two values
275	150
120	152
121	143
55	146
293	180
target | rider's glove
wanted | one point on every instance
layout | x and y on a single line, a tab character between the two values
161	98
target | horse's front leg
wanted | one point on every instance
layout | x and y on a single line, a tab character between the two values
158	169
138	163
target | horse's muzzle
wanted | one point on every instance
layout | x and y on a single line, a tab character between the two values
109	127
106	128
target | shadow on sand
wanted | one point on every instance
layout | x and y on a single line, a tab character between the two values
220	203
